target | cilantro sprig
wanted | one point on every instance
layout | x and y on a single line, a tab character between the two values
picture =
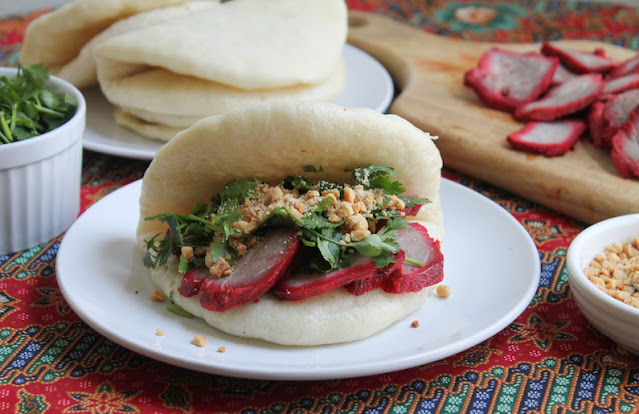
27	108
211	225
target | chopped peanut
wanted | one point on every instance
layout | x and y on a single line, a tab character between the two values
221	350
220	268
159	332
187	252
443	291
615	271
199	341
157	296
358	235
415	324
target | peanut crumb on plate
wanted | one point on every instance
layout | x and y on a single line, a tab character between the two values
415	324
221	350
443	291
159	332
199	341
157	296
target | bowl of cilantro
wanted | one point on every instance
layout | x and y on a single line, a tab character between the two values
42	119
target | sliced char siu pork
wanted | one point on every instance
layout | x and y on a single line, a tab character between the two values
606	117
567	98
621	84
548	138
400	277
253	275
418	245
578	61
625	68
504	80
625	147
303	286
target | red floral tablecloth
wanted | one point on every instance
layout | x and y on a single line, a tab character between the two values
548	360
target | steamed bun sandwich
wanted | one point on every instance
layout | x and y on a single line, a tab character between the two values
295	223
63	39
164	77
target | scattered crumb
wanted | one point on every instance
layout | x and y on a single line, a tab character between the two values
199	341
415	324
137	291
221	350
157	296
443	291
159	332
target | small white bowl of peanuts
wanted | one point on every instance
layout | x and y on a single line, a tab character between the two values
603	269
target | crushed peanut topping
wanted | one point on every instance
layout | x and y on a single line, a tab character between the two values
199	341
415	324
220	268
221	350
615	271
159	332
157	296
443	291
352	209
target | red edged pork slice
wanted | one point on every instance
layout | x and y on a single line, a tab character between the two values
303	286
418	245
192	280
618	108
608	114
625	147
562	74
504	80
621	84
597	131
254	274
361	286
548	138
569	97
625	68
578	61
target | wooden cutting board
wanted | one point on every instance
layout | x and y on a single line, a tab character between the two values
428	72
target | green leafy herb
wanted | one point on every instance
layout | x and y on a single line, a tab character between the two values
211	226
27	108
171	307
312	168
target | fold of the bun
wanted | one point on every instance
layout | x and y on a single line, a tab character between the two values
57	38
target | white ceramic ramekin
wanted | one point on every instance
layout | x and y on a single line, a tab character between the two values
40	179
613	318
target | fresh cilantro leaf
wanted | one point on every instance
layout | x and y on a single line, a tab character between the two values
217	249
199	209
316	220
298	182
376	176
183	265
414	201
312	168
238	190
383	260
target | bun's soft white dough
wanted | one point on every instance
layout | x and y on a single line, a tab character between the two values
272	141
57	38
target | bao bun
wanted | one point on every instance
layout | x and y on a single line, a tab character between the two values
272	141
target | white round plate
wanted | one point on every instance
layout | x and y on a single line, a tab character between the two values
368	85
491	264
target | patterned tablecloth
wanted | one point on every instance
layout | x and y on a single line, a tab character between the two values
548	360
